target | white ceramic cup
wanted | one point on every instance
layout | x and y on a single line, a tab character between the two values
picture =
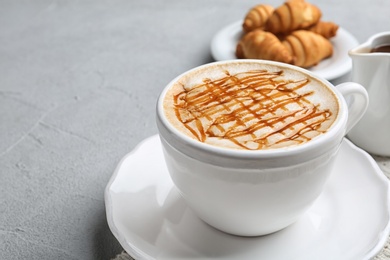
251	193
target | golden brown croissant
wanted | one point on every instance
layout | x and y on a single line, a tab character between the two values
293	15
257	17
259	44
307	48
326	29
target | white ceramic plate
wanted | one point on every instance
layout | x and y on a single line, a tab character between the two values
145	212
223	47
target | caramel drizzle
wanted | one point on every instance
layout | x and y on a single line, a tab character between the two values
239	106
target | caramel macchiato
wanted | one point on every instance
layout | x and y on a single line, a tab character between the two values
250	106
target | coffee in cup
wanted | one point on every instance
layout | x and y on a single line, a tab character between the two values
250	106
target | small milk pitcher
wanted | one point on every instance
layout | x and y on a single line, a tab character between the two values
371	68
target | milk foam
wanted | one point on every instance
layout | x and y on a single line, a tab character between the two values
253	106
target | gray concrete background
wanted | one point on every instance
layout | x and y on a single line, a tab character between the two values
78	86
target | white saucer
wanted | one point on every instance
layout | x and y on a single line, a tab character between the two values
223	47
350	220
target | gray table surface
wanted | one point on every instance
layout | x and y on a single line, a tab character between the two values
78	86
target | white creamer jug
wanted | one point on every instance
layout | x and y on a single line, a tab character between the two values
371	68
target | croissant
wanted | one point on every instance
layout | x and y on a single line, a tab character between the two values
326	29
307	48
293	15
257	17
259	44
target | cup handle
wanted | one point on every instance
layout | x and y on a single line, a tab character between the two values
357	99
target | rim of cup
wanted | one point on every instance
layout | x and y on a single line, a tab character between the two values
381	38
319	141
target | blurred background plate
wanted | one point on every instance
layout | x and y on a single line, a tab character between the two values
223	47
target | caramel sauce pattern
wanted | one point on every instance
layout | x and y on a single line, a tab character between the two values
255	110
